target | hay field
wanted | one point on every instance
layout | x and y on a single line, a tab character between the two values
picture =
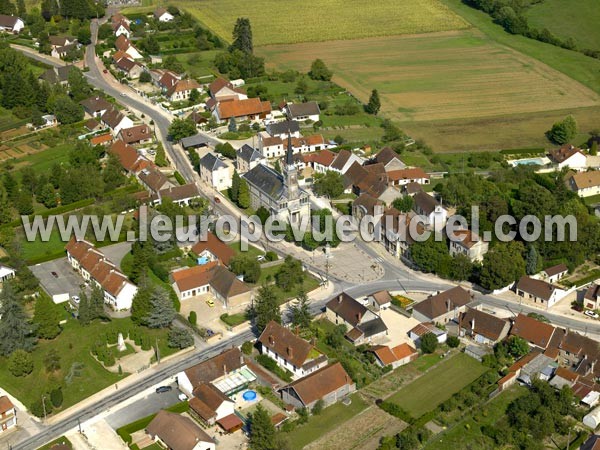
451	75
285	22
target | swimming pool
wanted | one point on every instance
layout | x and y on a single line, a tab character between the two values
249	395
541	161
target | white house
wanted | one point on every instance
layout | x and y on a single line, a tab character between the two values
302	111
8	415
422	329
162	15
432	212
569	156
182	90
395	356
215	172
585	184
178	432
93	266
539	291
555	273
211	404
247	158
11	24
116	120
6	273
123	44
344	160
290	351
469	244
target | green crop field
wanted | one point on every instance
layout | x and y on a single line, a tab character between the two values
577	19
277	22
437	385
449	76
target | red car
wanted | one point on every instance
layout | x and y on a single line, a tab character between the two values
105	71
217	200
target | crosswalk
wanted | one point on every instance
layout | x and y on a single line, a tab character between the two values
379	259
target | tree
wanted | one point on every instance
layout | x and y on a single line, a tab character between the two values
262	430
277	166
67	111
226	149
247	348
374	104
47	317
594	148
244	194
161	158
431	256
16	332
180	338
145	77
181	128
235	186
84	35
318	407
517	346
24	203
140	306
502	265
532	262
247	266
56	397
242	36
266	308
461	267
20	363
300	311
36	118
193	318
52	361
232	127
264	214
150	45
330	184
429	343
289	274
194	97
84	313
319	71
21	9
162	312
97	304
301	87
564	131
453	341
404	203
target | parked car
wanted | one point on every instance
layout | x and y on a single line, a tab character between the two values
163	389
75	299
217	200
123	94
54	274
182	397
591	314
105	71
210	302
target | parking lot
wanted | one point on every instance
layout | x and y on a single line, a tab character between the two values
66	280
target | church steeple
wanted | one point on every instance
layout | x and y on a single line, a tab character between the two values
291	175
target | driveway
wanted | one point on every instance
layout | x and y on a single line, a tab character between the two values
67	279
398	327
116	252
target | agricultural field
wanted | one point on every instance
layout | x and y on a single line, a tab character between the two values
276	22
577	19
362	431
438	384
444	78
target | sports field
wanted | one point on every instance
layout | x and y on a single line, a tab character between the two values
449	75
285	22
437	385
577	19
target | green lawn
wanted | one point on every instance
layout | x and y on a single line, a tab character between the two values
8	120
44	160
35	251
467	433
252	250
234	319
198	64
61	440
437	385
74	345
574	64
328	420
577	19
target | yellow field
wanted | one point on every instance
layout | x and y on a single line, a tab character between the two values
285	22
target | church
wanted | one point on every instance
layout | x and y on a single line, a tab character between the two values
278	193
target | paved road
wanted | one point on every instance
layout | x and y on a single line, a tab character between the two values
160	373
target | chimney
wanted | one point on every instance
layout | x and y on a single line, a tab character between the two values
359	316
448	305
473	324
241	360
224	369
290	352
340	298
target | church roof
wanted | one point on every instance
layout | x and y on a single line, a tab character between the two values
266	180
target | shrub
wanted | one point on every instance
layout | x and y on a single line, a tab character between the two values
56	397
192	318
180	338
20	363
247	348
453	341
429	343
37	408
271	256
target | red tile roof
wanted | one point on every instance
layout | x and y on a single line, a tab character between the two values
533	331
241	108
5	404
193	277
126	154
215	246
407	174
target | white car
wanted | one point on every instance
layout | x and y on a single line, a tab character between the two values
591	314
123	94
75	299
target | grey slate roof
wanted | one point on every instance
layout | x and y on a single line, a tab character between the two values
211	162
248	153
278	128
266	180
56	74
303	109
197	140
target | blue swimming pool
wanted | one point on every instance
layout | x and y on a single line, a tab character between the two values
529	162
249	396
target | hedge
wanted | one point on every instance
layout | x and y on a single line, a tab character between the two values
272	366
521	151
179	178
